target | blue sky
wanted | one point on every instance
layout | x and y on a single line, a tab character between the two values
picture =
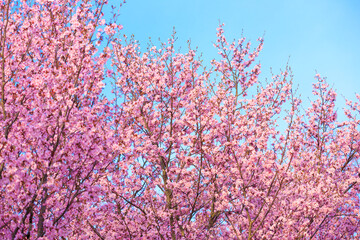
319	35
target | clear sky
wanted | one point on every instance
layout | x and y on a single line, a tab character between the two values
318	35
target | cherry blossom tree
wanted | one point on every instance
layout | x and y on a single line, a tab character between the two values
186	150
203	155
53	121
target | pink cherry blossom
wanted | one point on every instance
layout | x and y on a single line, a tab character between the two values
185	150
